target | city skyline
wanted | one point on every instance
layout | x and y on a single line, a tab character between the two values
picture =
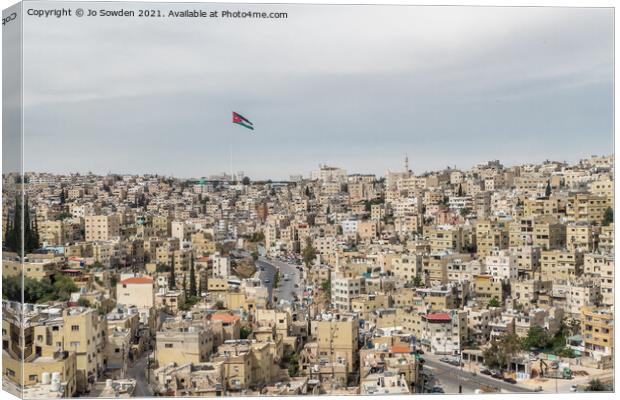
306	174
468	83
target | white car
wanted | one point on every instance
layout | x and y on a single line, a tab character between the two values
573	388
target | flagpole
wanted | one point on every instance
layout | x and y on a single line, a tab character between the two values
231	158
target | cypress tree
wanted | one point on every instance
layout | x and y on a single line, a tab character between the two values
17	228
171	278
184	286
548	189
203	283
31	240
192	279
8	232
460	193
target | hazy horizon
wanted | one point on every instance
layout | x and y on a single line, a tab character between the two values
306	174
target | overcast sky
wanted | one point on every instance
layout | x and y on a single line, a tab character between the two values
352	86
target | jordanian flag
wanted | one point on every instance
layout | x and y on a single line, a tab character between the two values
241	120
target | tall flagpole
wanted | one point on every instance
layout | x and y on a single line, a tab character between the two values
231	158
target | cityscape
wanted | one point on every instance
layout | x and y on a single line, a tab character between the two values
416	200
492	279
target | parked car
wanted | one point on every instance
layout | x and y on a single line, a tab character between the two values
485	371
573	388
420	351
497	375
437	389
510	380
444	359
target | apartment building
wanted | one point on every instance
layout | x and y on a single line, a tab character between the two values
101	227
597	328
182	342
344	289
337	338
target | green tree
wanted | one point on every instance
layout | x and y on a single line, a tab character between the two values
460	191
465	211
22	235
192	279
14	241
84	302
566	352
537	337
494	302
548	189
276	280
245	332
63	287
245	181
12	288
203	282
161	267
502	350
293	365
38	291
326	285
309	253
608	217
596	385
172	284
8	232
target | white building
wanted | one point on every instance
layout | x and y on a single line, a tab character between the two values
221	266
329	174
502	264
344	290
349	227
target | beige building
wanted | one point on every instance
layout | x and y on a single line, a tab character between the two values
338	339
491	235
138	291
181	342
85	333
561	265
584	207
101	227
597	330
582	237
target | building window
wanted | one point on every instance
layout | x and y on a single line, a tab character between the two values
75	328
32	377
168	345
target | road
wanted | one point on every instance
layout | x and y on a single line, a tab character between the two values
448	377
289	277
137	371
266	271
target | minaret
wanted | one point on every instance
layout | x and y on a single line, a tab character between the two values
406	163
